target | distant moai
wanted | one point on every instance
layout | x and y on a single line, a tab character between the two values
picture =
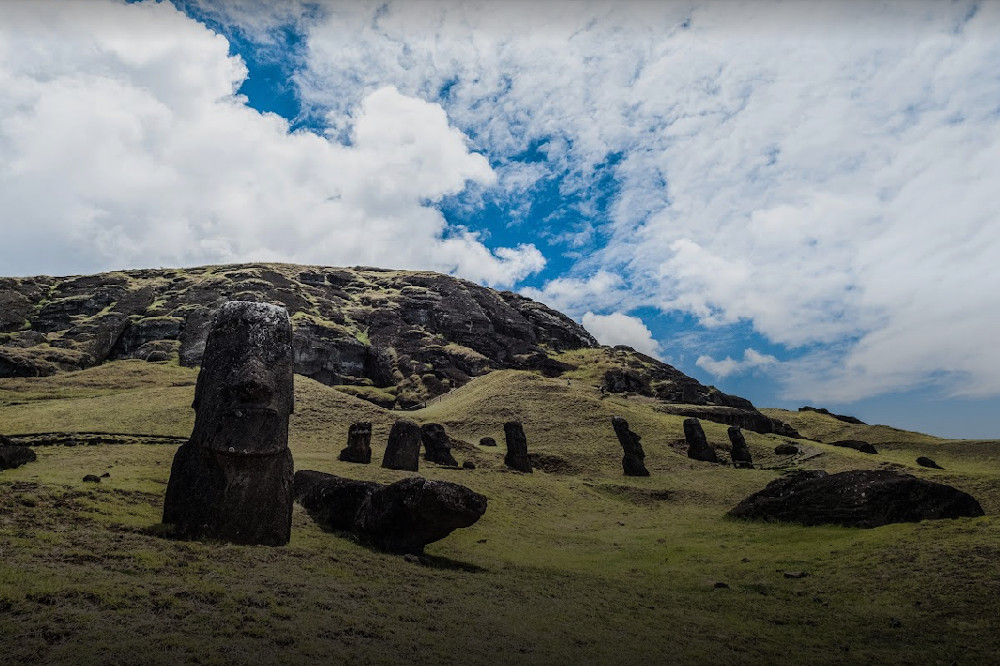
517	447
359	443
633	462
437	445
698	447
403	449
232	480
740	453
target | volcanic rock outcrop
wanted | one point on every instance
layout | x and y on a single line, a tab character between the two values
517	447
403	449
232	480
860	498
359	443
633	462
437	445
402	517
698	446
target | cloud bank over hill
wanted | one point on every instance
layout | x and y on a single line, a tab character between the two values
124	144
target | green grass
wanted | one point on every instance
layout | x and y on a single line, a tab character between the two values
564	568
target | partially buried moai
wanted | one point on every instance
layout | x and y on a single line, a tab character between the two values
359	443
698	446
633	462
437	445
517	447
233	479
742	459
403	449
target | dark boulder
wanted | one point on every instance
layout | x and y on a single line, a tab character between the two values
856	444
332	501
924	461
405	516
626	381
698	447
786	449
359	443
91	478
633	462
437	445
859	498
517	447
233	478
742	459
403	449
468	464
487	441
12	456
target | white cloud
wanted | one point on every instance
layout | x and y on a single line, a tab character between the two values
621	329
729	366
123	144
823	170
574	296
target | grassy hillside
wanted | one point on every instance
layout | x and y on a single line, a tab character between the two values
575	565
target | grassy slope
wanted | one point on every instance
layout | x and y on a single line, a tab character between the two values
585	567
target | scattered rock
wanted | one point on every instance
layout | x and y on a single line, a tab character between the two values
517	447
233	479
359	443
698	447
633	461
856	444
741	453
12	457
91	478
468	464
106	475
719	585
437	445
487	441
786	449
924	461
403	449
796	574
859	498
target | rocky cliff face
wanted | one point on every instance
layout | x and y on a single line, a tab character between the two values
416	333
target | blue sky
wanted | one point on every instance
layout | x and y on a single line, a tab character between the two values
795	202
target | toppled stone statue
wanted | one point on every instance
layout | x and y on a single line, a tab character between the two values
856	444
12	456
859	498
359	443
233	478
402	517
633	461
786	449
740	453
698	447
437	445
403	449
517	447
924	461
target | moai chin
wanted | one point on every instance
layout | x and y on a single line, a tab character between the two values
233	479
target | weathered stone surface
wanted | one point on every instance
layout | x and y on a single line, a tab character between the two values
856	444
12	457
840	417
742	459
487	441
403	449
924	461
633	462
698	447
359	443
332	501
786	449
233	478
860	498
437	445
405	516
517	447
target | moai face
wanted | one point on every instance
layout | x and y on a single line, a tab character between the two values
245	392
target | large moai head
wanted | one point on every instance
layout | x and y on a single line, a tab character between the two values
245	394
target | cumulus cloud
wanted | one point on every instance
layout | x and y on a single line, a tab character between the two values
621	329
574	296
729	366
823	171
124	143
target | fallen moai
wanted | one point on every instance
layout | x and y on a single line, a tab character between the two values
698	447
232	480
858	498
402	517
517	447
924	461
12	456
633	462
359	444
856	444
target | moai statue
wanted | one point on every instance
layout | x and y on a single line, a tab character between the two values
517	447
698	448
437	445
403	449
359	443
232	480
632	462
741	454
